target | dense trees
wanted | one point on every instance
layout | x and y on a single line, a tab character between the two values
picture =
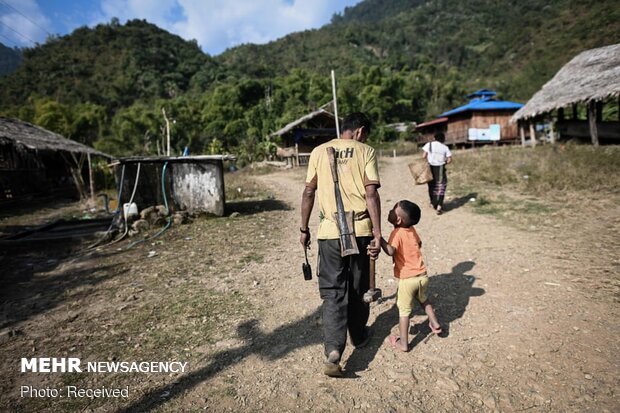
9	59
398	60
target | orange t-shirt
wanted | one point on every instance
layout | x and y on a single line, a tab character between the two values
408	261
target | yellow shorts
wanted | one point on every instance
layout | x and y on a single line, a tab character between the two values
408	289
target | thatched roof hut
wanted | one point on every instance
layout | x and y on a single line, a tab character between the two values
320	115
33	137
593	75
300	136
35	161
590	78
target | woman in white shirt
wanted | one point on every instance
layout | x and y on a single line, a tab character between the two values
438	156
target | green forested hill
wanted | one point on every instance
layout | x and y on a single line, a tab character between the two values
9	59
396	59
513	46
111	64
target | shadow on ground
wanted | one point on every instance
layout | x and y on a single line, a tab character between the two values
449	293
454	291
458	202
251	207
32	283
270	346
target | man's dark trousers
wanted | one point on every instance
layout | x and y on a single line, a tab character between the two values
342	284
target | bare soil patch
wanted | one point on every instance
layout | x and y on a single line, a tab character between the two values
530	313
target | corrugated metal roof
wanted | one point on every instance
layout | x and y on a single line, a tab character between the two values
432	122
174	159
482	92
485	103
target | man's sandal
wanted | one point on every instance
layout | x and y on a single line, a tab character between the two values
332	364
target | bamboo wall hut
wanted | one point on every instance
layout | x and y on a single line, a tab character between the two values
37	162
304	134
484	119
588	79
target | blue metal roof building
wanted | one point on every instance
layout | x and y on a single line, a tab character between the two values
484	118
483	100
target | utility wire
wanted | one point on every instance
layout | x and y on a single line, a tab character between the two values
10	40
21	35
26	17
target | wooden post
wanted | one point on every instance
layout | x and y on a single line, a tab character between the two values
335	104
552	130
574	105
599	111
532	133
522	133
297	154
91	179
167	131
561	114
592	122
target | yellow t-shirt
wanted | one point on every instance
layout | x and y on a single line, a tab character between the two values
357	167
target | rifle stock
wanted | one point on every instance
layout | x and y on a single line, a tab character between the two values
344	219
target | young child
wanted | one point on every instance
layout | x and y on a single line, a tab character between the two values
404	247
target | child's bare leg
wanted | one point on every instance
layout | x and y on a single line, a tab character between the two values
432	318
403	328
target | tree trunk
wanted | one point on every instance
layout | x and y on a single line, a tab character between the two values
76	172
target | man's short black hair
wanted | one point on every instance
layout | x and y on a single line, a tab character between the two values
412	212
440	137
356	120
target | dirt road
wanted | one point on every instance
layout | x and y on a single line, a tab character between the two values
525	327
521	332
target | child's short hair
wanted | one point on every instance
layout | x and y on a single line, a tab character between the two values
412	212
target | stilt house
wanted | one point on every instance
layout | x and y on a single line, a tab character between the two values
299	137
591	79
484	119
36	162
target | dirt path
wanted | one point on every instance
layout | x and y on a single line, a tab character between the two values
521	334
528	327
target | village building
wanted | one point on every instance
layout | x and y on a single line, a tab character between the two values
300	136
35	162
590	79
484	119
194	184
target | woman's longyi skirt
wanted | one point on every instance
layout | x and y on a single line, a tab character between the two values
437	187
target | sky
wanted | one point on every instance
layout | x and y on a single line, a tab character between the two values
215	24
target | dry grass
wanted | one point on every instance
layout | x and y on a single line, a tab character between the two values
542	171
240	186
535	186
401	147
